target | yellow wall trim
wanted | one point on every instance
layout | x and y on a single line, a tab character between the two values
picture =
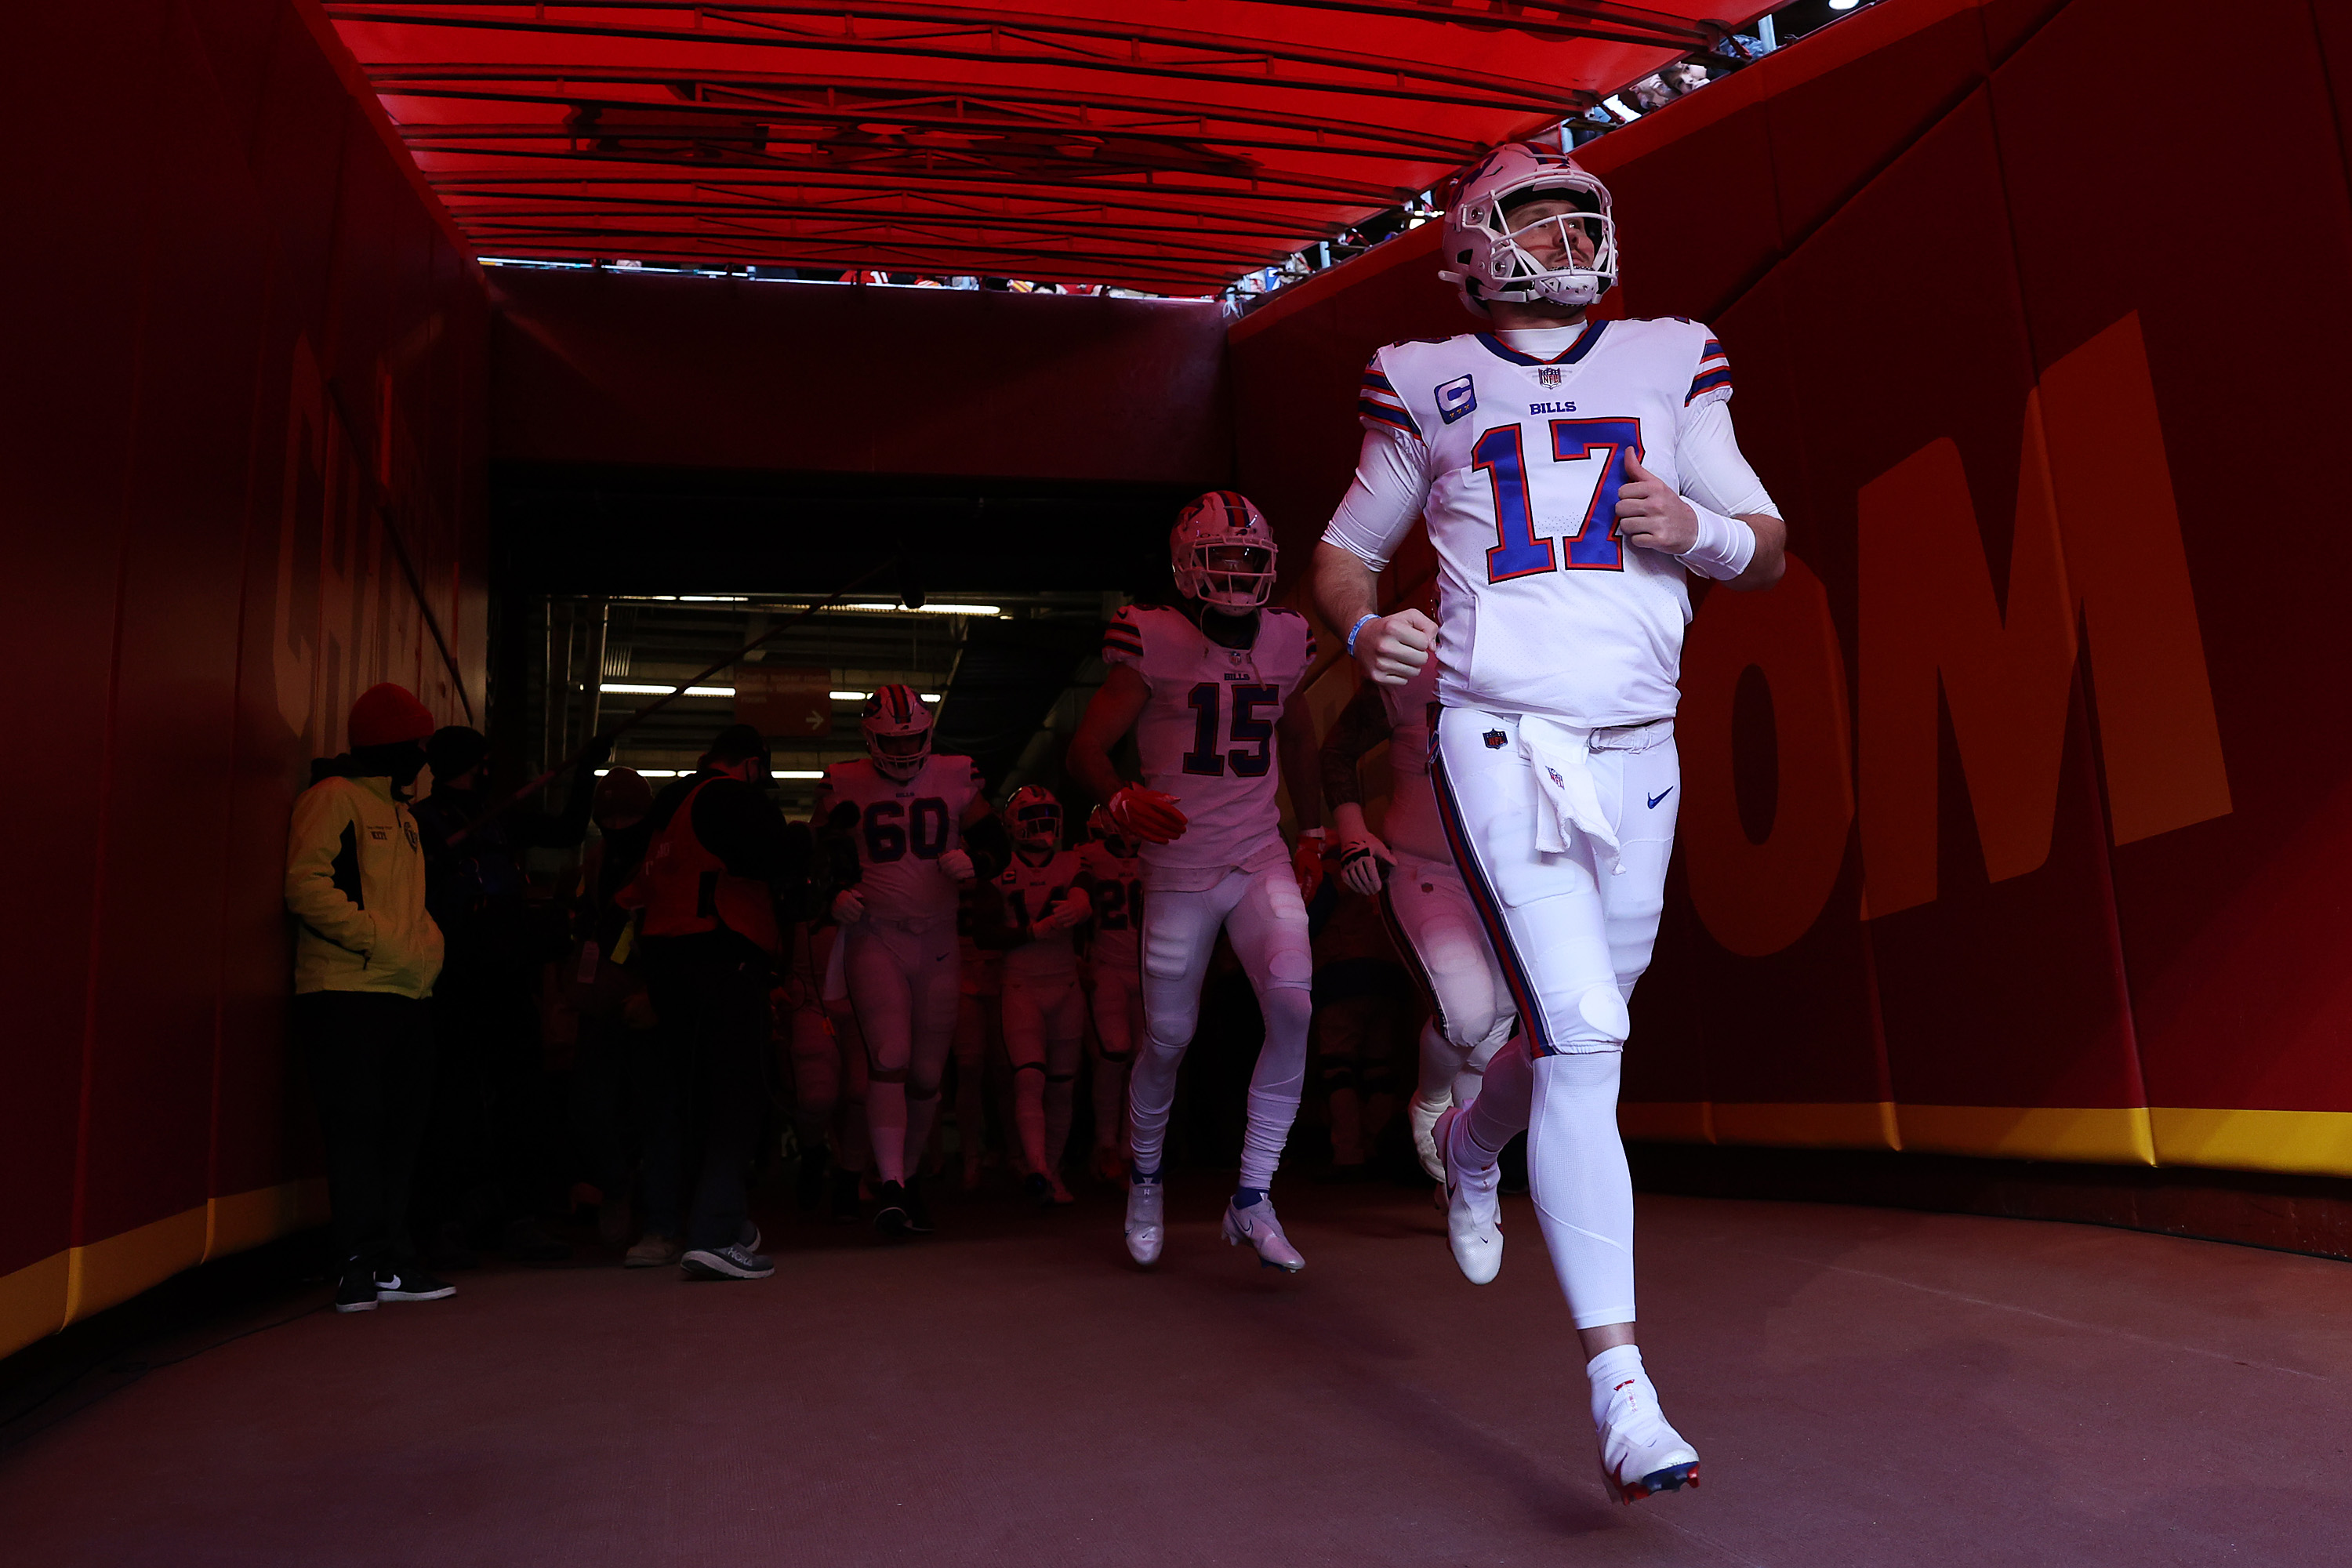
117	1269
1660	1121
1853	1125
64	1287
2302	1142
32	1303
2096	1135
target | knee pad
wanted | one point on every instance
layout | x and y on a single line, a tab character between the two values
1116	1058
1601	1025
1061	1078
1038	1067
885	1074
918	1091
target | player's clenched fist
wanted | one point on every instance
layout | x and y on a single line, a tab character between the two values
1391	648
1147	815
1650	514
1306	864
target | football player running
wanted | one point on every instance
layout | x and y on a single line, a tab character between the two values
1573	473
914	814
1028	912
1210	688
1114	981
1412	873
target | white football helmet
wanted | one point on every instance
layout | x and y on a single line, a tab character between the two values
897	731
1035	817
1488	259
1223	552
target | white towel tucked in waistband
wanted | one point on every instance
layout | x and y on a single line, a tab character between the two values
1559	752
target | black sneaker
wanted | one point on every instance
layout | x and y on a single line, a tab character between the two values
356	1291
890	1209
919	1208
734	1261
410	1284
1039	1188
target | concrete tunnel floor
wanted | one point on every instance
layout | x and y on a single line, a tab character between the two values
1865	1386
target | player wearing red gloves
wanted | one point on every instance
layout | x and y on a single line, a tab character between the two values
1210	688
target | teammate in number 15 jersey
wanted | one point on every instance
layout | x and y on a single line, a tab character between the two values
1573	473
1211	687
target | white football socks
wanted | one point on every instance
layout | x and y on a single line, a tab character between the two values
1619	1382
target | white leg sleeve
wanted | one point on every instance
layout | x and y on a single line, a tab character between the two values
1180	933
931	959
1268	930
877	989
1584	1192
1065	1040
1025	1047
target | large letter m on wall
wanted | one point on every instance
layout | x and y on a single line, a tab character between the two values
2098	546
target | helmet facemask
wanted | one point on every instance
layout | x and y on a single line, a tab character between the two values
897	731
1492	253
1037	822
1229	576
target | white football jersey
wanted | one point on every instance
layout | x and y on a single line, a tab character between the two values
902	830
1206	736
1028	892
1412	826
1542	608
1119	905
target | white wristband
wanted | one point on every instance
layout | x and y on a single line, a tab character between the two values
1361	622
1726	545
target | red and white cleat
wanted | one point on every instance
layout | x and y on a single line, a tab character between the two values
1256	1225
1640	1454
1474	1214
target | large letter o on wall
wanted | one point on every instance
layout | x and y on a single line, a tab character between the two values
1756	899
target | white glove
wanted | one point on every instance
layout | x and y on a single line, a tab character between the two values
957	864
1067	912
848	907
1363	863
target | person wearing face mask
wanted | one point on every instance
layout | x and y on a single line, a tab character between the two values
366	954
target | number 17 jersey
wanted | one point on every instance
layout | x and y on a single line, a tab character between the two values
1206	735
1542	608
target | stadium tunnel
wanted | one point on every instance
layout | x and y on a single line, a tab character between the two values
483	348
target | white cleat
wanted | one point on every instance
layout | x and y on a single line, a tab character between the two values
1424	1119
1146	1227
1474	1214
1640	1454
1256	1225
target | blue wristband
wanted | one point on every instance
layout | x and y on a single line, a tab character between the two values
1357	628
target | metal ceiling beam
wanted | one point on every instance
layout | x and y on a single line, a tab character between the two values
428	82
1078	264
1599	23
1313	191
1117	48
1130	273
535	205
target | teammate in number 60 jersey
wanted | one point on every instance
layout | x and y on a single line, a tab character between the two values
1211	689
911	812
1574	474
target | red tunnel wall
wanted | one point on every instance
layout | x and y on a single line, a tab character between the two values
2087	903
246	378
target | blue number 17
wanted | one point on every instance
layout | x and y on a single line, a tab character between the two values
1518	552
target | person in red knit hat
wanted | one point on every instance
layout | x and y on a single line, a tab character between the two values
365	957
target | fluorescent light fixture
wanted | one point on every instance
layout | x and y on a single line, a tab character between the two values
714	598
932	610
799	773
861	696
637	689
650	773
1843	4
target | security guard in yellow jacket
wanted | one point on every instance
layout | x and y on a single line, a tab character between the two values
365	956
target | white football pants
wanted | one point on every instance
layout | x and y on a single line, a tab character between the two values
1117	1002
1573	933
1265	919
1044	1022
1437	928
903	981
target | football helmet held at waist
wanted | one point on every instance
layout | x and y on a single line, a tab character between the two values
1488	256
1223	552
897	731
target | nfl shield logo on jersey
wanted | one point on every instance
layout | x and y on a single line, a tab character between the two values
1549	374
1494	739
1455	399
